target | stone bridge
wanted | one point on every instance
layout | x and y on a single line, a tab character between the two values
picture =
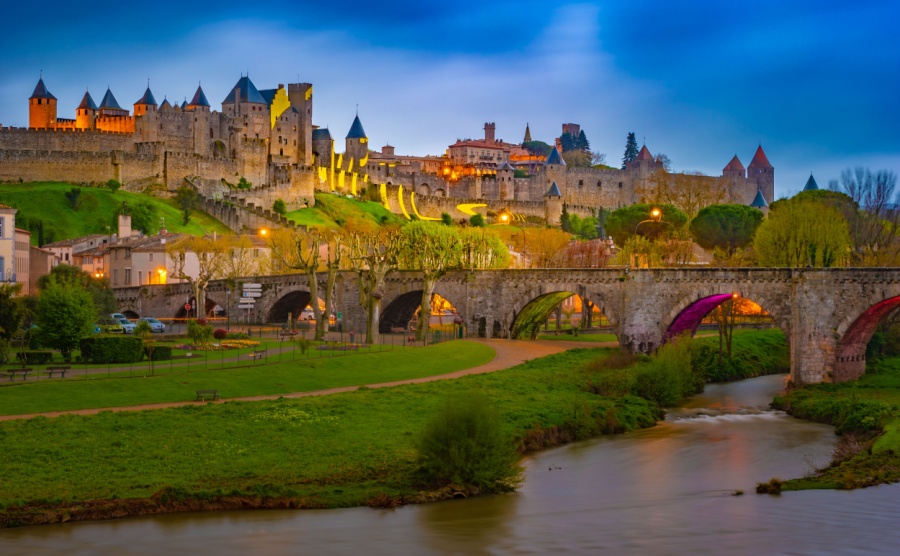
828	315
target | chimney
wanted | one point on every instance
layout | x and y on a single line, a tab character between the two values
124	226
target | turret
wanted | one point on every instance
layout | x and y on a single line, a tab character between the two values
734	169
322	147
553	204
300	95
86	113
811	184
109	106
554	170
199	102
356	144
759	202
41	107
763	173
146	104
506	176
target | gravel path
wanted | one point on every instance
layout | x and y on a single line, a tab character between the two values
509	353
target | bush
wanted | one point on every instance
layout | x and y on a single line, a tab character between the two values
669	377
237	336
111	349
199	331
220	334
34	357
477	221
158	353
464	444
279	206
5	351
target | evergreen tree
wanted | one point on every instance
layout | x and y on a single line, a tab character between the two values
631	149
582	143
568	142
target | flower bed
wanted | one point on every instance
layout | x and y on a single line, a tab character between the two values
223	346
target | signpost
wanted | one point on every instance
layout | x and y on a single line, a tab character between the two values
248	297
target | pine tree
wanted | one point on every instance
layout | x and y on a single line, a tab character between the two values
582	143
631	149
569	142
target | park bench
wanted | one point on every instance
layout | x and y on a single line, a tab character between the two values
397	330
61	370
203	395
23	371
257	353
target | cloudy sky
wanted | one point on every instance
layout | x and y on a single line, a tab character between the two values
816	83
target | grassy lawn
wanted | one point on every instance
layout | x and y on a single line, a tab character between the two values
339	450
335	211
582	337
46	201
301	375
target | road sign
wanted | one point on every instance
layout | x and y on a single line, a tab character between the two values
251	294
252	286
187	306
340	315
242	306
250	300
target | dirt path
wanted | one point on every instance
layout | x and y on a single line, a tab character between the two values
509	353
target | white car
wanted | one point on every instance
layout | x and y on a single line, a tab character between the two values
127	326
155	325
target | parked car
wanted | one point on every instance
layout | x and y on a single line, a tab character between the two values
155	325
118	316
108	325
127	326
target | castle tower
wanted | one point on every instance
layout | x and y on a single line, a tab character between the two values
86	113
763	173
734	170
527	134
109	106
356	144
203	131
554	170
199	102
759	202
553	204
301	97
146	103
490	131
322	147
506	175
41	107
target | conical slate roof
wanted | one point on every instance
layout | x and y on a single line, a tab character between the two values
735	165
506	166
321	134
184	104
147	98
555	158
87	102
760	160
40	91
109	101
553	191
811	184
759	201
165	105
244	91
199	98
644	154
356	130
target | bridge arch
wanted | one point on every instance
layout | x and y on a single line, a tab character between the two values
182	313
423	190
527	318
401	310
292	302
854	334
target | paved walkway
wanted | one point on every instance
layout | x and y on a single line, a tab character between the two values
509	353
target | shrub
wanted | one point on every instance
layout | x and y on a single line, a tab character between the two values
477	221
668	377
5	351
464	444
113	185
111	349
158	353
199	331
279	206
220	334
237	336
446	219
34	357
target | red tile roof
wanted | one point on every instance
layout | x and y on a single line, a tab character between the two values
644	154
735	165
760	160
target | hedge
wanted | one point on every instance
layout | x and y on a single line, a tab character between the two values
112	349
160	353
35	357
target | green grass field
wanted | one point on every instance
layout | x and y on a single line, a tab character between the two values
96	214
336	211
300	375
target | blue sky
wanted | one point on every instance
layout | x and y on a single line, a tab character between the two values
817	83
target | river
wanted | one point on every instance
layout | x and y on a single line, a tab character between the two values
665	490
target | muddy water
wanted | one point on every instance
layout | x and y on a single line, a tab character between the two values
666	490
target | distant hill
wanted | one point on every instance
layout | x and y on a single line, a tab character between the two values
45	210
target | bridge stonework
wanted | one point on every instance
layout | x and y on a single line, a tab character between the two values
828	315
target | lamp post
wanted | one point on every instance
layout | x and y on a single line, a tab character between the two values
228	309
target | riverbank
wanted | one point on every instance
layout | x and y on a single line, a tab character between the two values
866	414
342	450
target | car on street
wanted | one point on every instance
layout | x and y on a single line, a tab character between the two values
127	326
108	325
118	316
155	325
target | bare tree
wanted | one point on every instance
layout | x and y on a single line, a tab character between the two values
373	256
875	227
209	254
302	251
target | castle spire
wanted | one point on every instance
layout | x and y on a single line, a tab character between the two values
527	134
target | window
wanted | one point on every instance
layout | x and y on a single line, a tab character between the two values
599	183
620	185
127	276
150	257
115	277
580	182
140	277
1	226
2	268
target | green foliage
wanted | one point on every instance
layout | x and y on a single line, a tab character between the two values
631	149
537	148
354	214
753	353
6	351
111	349
446	219
188	199
477	220
143	330
726	227
34	357
99	289
144	216
279	206
584	228
669	377
12	311
803	231
199	333
113	185
621	223
464	444
65	314
244	184
158	352
73	196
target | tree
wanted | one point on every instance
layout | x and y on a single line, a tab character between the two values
544	247
99	289
279	207
584	159
373	256
803	232
209	255
74	197
12	311
432	249
188	199
582	143
113	185
537	148
65	314
239	258
631	149
663	160
303	251
477	220
568	142
875	225
144	216
623	223
727	227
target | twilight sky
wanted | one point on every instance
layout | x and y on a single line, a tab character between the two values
816	82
